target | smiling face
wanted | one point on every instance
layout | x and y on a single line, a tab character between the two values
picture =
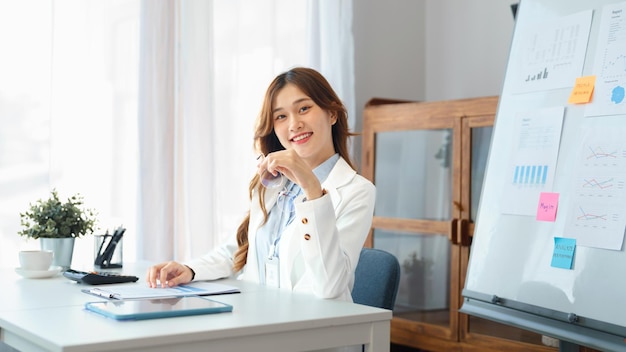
302	125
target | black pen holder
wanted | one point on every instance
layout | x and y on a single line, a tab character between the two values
107	255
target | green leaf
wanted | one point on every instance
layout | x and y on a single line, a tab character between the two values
52	218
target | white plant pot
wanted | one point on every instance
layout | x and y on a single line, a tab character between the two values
63	249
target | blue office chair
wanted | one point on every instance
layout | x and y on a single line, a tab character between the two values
376	279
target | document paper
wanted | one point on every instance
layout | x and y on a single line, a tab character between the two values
136	291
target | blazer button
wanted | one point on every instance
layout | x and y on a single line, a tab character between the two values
305	221
307	237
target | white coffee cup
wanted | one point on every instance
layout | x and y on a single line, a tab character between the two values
36	260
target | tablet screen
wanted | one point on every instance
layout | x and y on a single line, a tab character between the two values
157	308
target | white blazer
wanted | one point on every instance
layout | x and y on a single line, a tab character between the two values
319	250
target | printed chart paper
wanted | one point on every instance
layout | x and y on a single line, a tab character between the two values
597	210
553	54
610	64
534	153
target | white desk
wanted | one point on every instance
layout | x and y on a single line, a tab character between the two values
48	315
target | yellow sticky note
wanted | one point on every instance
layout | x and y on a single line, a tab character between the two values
581	94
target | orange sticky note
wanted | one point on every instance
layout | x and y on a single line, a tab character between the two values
548	203
583	89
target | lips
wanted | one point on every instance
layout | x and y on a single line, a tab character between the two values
301	137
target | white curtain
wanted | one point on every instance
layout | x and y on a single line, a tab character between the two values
157	128
176	130
331	47
204	70
68	107
69	98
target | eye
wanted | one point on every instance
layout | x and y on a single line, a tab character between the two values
304	109
279	117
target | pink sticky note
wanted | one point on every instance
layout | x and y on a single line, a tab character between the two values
548	203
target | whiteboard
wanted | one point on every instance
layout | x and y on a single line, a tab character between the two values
512	251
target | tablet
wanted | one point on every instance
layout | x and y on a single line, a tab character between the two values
157	308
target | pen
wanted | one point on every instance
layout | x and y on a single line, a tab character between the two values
101	293
99	257
104	259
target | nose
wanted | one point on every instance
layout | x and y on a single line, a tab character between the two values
295	123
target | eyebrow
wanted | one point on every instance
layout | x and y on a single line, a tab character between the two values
298	101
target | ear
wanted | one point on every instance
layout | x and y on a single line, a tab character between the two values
333	118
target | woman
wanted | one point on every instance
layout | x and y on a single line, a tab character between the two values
307	235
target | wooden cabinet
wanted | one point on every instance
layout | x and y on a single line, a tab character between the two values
427	160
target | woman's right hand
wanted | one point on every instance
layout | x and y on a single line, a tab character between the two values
168	274
292	166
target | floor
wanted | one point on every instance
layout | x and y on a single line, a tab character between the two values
400	348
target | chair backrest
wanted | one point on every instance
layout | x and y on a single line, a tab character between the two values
376	279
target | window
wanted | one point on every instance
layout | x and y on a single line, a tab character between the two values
68	97
69	90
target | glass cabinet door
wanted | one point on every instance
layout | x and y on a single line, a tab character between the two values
412	164
413	176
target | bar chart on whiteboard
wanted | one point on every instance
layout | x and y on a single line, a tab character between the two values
529	175
553	53
533	158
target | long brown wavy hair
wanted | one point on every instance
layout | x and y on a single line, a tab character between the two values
316	87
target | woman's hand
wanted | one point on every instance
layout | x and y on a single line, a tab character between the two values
292	166
169	274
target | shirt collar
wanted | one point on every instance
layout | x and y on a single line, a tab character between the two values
323	170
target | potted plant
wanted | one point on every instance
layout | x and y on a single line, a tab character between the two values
57	224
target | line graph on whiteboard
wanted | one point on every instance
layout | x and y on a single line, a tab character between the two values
596	217
605	155
597	209
600	187
598	225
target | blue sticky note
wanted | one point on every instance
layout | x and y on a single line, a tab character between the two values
563	255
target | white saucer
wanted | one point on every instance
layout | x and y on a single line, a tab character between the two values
38	274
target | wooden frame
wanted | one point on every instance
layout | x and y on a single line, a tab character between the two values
460	116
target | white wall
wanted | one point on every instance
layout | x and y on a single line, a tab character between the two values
429	50
467	47
389	49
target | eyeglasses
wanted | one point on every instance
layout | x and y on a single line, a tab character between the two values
269	180
286	197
